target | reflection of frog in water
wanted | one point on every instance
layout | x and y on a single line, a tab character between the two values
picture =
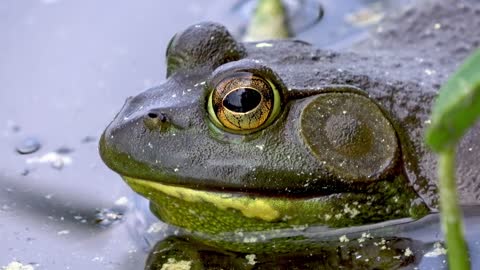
253	137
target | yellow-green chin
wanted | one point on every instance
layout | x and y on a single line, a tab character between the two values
214	213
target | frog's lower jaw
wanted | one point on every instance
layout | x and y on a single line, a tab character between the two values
220	212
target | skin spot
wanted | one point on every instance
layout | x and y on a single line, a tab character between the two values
343	239
251	259
174	264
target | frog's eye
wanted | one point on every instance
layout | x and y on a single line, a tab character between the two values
243	102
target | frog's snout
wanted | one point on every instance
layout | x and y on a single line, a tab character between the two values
121	136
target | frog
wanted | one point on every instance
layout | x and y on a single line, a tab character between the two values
260	138
261	153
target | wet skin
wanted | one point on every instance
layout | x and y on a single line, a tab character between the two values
275	135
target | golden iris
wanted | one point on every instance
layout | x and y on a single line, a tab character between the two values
243	102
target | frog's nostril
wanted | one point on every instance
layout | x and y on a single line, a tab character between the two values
152	115
159	116
156	120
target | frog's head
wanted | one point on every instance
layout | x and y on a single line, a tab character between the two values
230	142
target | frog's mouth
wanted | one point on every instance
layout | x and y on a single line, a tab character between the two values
215	212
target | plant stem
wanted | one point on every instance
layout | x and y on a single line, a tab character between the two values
268	22
452	222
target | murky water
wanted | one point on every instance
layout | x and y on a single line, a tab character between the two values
65	69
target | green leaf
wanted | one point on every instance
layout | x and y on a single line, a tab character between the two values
457	106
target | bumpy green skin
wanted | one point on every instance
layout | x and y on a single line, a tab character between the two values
386	200
313	165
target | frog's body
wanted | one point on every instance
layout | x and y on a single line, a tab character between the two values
339	144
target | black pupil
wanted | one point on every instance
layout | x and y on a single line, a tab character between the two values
242	100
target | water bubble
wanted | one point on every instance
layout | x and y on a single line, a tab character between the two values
28	146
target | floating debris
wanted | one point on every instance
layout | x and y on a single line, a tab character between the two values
18	266
80	218
429	72
64	150
28	146
88	139
122	201
57	164
25	172
63	232
56	160
107	217
98	259
438	250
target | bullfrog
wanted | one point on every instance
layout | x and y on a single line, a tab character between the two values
267	137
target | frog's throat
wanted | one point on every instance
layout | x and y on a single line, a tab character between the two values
246	223
249	207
